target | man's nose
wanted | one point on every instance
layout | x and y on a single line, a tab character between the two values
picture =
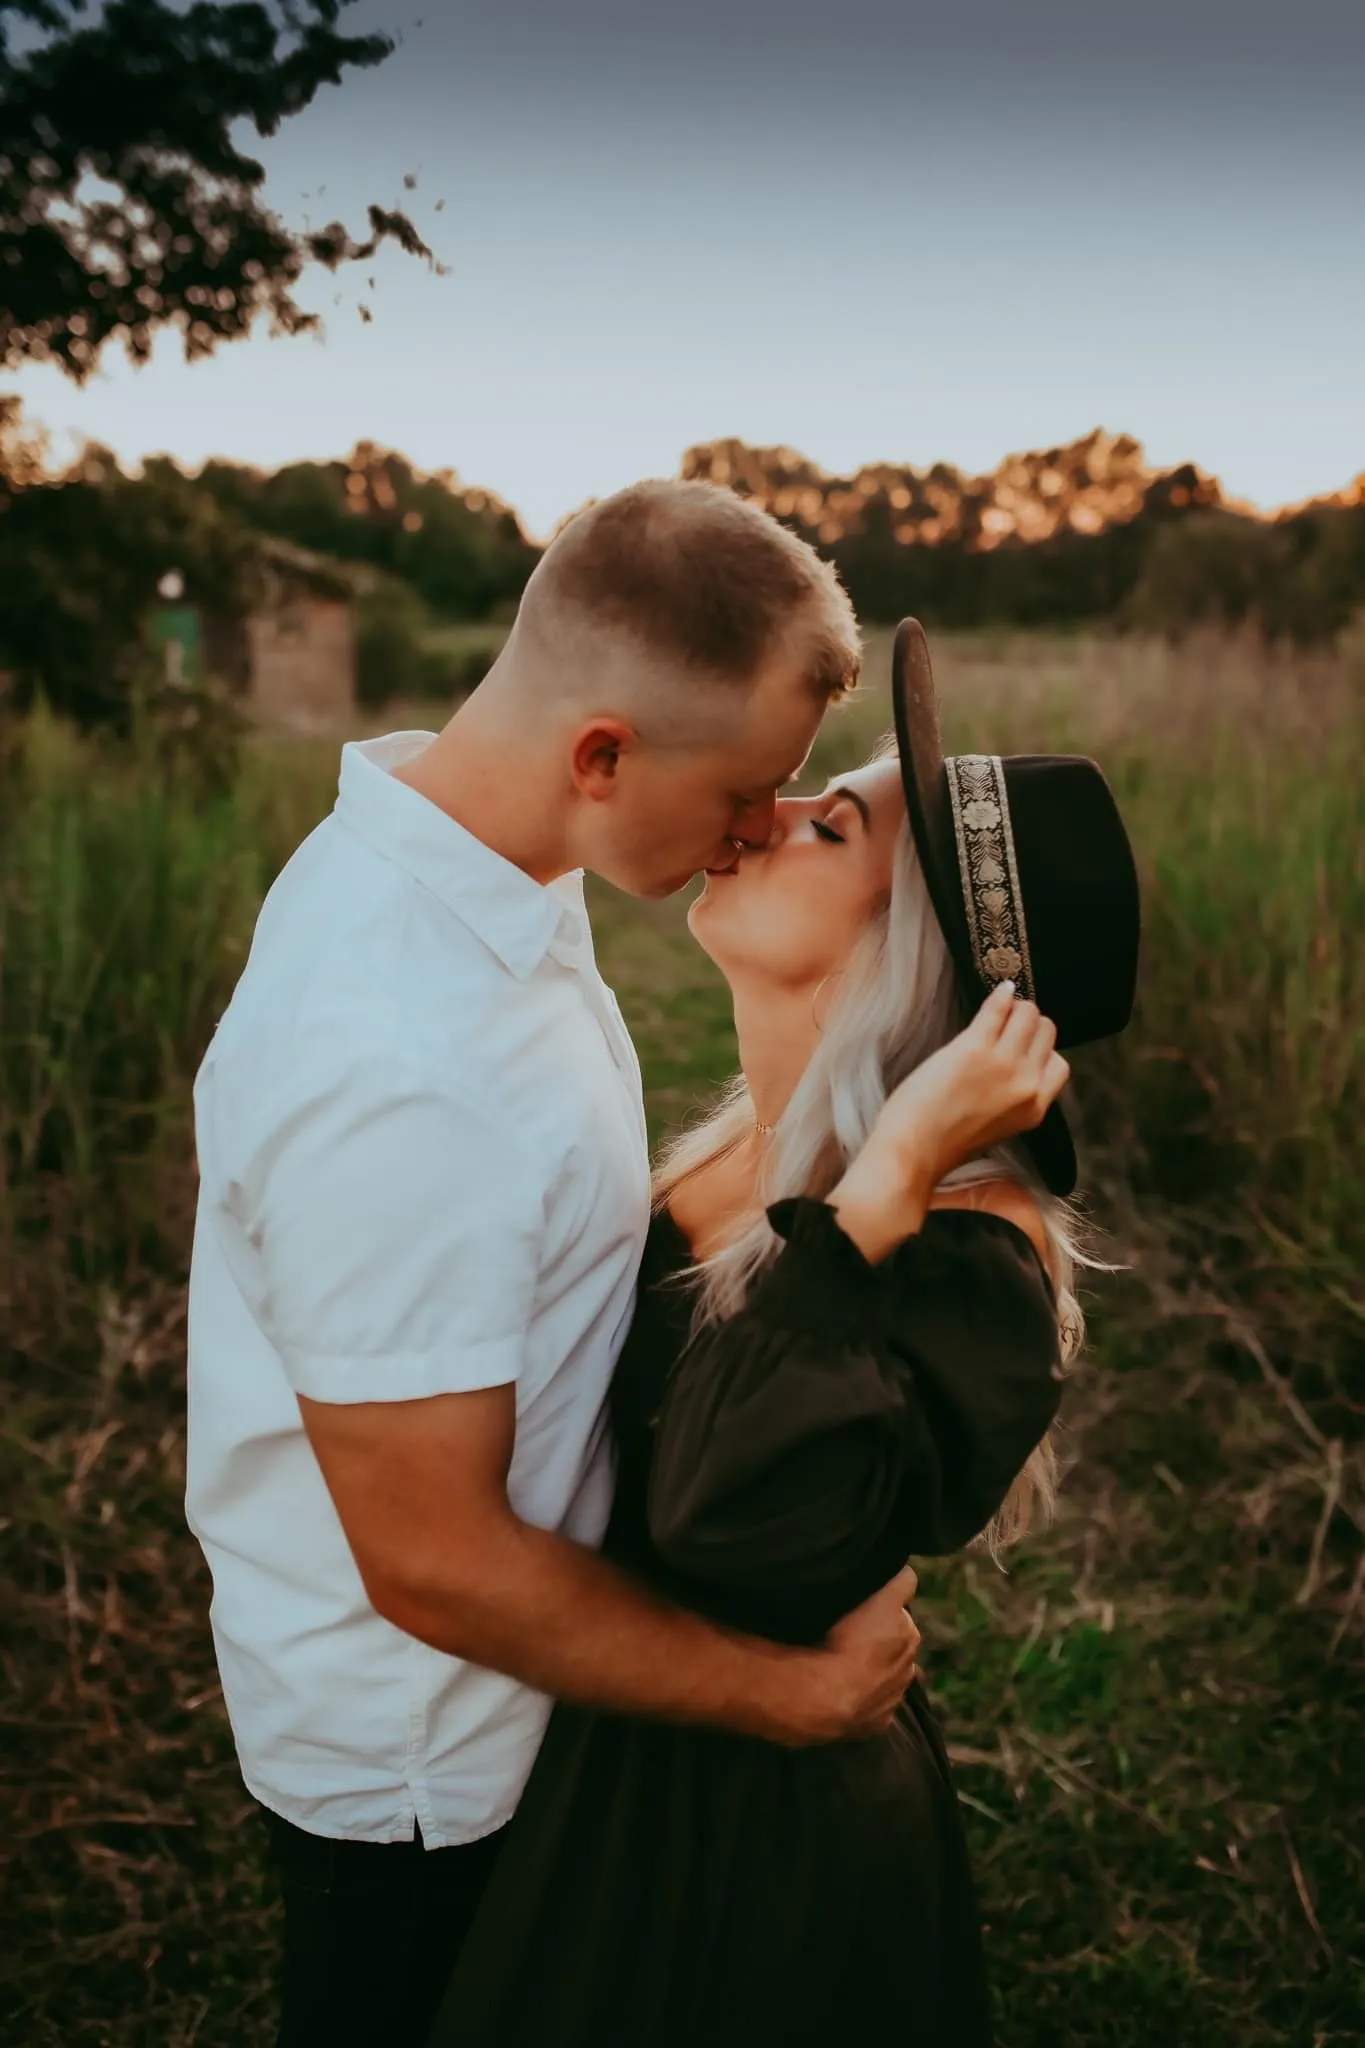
756	827
784	813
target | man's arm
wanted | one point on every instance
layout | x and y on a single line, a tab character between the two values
399	1221
421	1490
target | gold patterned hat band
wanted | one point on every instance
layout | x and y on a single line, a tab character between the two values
990	876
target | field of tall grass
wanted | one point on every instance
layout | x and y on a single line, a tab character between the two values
1158	1713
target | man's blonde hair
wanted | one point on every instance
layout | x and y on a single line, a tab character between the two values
691	575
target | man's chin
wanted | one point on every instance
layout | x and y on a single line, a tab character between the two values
671	885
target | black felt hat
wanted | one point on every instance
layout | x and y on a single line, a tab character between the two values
1031	876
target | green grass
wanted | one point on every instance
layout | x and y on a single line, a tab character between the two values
1157	1712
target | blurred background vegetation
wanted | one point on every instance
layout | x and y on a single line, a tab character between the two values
1075	538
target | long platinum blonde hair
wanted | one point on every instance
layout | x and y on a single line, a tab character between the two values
896	1002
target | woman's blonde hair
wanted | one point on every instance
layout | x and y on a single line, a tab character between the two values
896	1002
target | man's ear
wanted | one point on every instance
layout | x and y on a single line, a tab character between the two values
595	755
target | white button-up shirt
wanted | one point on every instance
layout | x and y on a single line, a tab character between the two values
423	1168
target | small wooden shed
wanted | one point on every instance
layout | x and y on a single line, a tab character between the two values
301	640
291	656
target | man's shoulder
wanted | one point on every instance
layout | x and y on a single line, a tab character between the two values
360	1114
352	959
349	1051
339	911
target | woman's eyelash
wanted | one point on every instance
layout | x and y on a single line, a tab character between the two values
827	831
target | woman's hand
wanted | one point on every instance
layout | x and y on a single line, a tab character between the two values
997	1078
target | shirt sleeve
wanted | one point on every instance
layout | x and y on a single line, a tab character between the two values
851	1416
398	1228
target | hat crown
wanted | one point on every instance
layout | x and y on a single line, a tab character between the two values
1031	876
1049	886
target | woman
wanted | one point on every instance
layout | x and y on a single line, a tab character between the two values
853	1314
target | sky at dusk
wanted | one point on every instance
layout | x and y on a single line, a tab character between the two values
873	231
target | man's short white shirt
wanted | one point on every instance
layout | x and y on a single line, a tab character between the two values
423	1168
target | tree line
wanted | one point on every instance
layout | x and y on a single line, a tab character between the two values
1080	535
82	554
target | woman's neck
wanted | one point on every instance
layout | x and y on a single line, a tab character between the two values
777	1035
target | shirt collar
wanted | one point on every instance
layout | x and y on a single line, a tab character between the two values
518	919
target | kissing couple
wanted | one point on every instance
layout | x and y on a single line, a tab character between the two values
558	1509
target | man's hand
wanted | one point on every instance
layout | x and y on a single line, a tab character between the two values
421	1491
878	1644
855	1683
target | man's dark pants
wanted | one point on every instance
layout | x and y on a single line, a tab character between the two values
371	1934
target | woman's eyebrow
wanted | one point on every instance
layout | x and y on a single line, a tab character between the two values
852	796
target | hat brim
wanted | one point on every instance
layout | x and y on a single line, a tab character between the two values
919	743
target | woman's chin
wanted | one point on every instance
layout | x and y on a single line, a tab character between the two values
701	916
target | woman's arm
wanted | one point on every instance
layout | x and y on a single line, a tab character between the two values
894	1367
997	1078
852	1414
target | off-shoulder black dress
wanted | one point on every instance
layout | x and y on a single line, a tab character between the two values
675	1887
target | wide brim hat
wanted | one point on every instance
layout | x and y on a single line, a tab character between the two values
1031	876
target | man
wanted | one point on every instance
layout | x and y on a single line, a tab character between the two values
424	1194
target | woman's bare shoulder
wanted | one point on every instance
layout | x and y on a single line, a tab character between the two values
1003	1198
706	1205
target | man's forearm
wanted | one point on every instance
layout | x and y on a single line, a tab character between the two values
563	1619
420	1489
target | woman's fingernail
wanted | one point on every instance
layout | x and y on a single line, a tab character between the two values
1007	986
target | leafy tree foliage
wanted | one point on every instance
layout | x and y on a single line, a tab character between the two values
1062	536
81	556
125	204
79	564
1302	578
462	551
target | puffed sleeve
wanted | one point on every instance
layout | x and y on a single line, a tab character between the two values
850	1415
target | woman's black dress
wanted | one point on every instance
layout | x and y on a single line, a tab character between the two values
676	1887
